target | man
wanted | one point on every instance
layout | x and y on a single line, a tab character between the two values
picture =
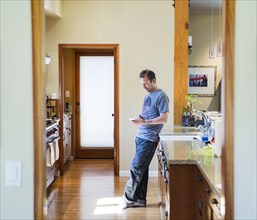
150	122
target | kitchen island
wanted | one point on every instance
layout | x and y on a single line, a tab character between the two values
189	180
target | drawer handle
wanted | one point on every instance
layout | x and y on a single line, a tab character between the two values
207	190
214	201
200	207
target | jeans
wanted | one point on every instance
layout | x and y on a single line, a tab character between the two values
136	187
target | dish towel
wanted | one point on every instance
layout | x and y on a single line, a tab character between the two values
56	150
50	155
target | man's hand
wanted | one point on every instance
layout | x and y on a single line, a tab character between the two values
137	120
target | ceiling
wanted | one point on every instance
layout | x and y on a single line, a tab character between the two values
204	7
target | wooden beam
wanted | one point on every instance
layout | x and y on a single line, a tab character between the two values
228	19
39	110
180	58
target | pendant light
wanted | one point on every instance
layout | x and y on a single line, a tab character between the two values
219	46
211	49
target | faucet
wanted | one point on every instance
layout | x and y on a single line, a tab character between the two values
207	124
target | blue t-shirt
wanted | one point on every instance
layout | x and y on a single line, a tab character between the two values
155	104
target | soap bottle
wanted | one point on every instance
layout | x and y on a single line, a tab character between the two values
208	154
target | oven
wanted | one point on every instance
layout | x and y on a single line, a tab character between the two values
52	149
52	130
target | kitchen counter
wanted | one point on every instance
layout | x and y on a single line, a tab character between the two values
189	176
177	129
187	152
190	152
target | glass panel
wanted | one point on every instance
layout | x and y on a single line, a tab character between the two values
96	101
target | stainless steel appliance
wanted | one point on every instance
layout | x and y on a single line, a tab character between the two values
52	147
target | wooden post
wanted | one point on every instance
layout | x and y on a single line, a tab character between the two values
181	58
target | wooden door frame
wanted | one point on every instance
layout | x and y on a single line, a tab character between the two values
83	47
39	110
228	72
228	77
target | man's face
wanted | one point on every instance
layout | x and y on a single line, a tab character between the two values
147	84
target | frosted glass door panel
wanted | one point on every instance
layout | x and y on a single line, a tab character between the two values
96	101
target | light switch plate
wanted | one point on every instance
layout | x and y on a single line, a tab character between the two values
54	96
67	94
13	173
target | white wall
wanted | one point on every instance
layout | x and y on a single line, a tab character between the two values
144	30
16	107
200	30
245	111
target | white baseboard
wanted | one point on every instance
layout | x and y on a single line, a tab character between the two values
126	173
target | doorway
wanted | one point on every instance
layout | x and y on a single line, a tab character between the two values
86	50
94	104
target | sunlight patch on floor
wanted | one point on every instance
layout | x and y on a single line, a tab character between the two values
108	206
108	201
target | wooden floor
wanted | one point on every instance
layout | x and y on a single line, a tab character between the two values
89	190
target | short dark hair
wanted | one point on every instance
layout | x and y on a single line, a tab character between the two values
149	73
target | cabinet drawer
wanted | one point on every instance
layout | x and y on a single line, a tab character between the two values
212	201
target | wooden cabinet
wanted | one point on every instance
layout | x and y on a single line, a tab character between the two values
209	199
67	137
185	193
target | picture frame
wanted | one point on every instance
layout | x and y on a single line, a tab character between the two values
202	80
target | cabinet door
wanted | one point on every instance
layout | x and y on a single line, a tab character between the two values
66	142
214	204
67	138
199	197
182	191
68	148
210	201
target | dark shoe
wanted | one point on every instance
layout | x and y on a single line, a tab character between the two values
140	203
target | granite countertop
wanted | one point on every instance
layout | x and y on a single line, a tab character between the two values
190	152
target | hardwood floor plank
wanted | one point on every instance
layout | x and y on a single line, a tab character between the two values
89	190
